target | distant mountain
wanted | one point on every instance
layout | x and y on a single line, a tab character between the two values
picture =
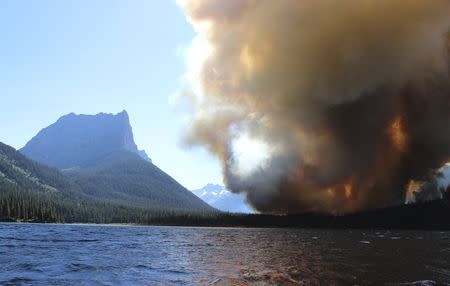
222	199
81	140
98	154
125	178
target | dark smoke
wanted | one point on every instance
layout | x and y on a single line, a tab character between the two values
323	105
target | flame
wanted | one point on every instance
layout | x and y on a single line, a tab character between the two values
326	116
348	188
331	192
247	59
412	188
398	134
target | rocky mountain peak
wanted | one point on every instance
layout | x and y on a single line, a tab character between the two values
77	140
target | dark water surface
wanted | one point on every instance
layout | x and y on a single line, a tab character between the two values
49	254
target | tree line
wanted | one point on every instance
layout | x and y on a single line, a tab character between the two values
27	206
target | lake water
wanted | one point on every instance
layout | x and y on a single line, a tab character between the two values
49	254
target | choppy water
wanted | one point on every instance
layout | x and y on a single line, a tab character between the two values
40	254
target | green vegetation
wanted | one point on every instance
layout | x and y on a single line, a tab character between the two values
126	179
100	162
19	205
22	205
18	170
30	191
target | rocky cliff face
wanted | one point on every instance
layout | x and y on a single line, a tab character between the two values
80	140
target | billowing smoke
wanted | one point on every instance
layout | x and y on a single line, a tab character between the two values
322	105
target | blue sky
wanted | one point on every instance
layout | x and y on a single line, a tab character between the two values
90	56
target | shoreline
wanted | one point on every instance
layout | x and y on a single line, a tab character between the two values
425	216
331	228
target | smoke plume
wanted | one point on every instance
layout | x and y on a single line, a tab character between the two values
322	105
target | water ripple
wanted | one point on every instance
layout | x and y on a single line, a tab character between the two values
46	254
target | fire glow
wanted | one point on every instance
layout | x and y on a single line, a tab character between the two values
348	100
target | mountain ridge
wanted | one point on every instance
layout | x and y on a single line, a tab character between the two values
222	199
75	140
98	154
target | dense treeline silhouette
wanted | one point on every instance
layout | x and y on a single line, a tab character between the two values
16	205
32	192
121	178
22	205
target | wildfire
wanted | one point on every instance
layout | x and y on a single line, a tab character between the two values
331	192
398	134
348	190
412	188
326	116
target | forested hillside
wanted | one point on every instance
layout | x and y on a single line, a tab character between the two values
19	171
21	205
125	178
30	191
99	155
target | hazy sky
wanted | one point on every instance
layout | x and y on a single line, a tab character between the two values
89	56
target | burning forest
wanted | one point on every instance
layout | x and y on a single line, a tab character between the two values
324	106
